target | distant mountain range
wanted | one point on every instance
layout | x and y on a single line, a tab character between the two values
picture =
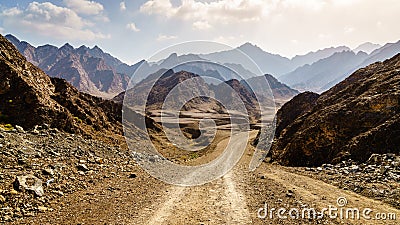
269	63
326	73
93	71
154	90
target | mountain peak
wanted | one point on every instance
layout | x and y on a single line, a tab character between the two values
12	38
249	45
367	47
172	56
97	48
67	46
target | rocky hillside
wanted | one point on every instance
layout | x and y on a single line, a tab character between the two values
279	90
354	119
28	97
88	69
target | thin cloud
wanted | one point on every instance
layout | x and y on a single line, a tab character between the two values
201	25
132	26
122	6
163	37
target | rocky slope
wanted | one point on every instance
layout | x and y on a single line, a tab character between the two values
279	90
354	119
377	178
29	97
59	163
226	93
88	69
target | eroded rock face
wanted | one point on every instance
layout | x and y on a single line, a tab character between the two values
29	97
354	119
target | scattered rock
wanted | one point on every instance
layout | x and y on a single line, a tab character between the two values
13	192
364	177
19	129
48	171
132	175
82	167
7	218
43	209
21	161
29	183
2	199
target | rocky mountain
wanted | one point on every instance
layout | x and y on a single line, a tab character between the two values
279	90
316	76
312	57
385	52
228	92
268	63
153	91
163	81
88	69
326	73
29	97
184	85
367	47
354	119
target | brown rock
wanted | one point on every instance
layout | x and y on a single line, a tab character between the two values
354	119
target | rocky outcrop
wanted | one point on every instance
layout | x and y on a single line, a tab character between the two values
293	109
354	119
29	97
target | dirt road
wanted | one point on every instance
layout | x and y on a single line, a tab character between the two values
239	197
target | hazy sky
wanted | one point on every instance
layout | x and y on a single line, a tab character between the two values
135	29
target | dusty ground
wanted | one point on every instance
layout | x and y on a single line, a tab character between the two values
233	199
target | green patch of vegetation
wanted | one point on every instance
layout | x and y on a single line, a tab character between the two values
194	155
7	127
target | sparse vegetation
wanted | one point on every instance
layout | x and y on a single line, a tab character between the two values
7	127
194	155
78	120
